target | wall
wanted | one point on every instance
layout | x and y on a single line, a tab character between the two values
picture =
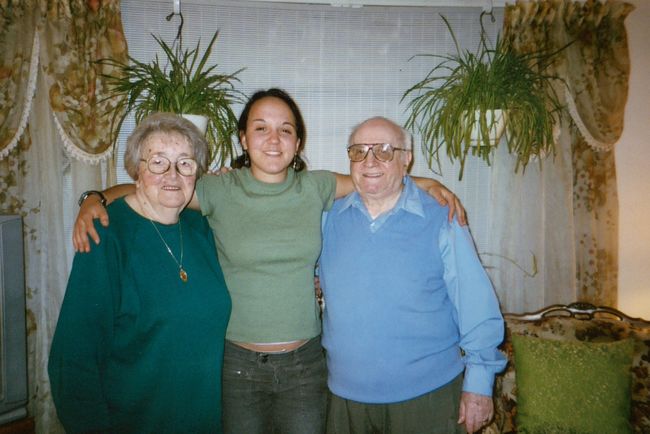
633	171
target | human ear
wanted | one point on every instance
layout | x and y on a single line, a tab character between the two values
407	159
242	140
408	156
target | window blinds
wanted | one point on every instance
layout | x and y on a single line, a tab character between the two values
342	65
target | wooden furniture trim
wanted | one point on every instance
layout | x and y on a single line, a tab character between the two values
578	310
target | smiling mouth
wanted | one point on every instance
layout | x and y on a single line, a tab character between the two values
171	188
273	153
372	175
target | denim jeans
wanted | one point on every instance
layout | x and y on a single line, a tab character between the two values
274	393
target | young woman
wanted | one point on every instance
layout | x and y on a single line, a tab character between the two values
266	220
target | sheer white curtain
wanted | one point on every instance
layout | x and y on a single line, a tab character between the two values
47	253
50	191
531	220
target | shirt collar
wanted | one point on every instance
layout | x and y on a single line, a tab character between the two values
409	200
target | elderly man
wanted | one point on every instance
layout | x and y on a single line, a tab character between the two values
411	322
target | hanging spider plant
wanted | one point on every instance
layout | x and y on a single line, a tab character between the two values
185	85
452	107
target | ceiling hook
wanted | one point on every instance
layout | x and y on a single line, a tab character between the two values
176	9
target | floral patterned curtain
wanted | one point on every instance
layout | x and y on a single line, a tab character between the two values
595	67
18	63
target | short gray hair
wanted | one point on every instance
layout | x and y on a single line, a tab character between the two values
162	122
406	136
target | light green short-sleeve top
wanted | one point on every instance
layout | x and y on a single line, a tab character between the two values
268	239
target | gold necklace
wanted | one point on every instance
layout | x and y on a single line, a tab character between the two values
181	272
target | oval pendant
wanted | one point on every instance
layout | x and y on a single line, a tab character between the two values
183	275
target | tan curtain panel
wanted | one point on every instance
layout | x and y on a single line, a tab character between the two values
66	37
595	67
18	69
595	217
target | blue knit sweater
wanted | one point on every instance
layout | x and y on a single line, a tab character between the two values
404	293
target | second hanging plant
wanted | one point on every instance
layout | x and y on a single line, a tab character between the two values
453	107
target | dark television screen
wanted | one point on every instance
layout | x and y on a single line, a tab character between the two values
13	348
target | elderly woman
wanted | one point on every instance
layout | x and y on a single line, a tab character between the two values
139	342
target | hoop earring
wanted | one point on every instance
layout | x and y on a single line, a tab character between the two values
294	165
247	161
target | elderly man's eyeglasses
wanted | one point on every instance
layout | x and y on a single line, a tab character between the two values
157	164
383	152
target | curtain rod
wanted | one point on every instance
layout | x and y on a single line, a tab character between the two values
360	3
485	4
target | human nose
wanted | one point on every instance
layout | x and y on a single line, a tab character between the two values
173	170
274	136
371	159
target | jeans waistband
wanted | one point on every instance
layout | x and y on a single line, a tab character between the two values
311	345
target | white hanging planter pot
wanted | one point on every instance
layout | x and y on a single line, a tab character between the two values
200	121
496	123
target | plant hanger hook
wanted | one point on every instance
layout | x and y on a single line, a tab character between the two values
177	11
487	10
488	7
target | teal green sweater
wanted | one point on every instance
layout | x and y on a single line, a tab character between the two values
135	348
268	238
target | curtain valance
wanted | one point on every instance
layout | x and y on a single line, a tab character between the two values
65	38
595	66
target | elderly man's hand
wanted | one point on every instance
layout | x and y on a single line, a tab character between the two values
476	411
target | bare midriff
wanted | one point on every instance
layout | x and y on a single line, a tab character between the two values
275	347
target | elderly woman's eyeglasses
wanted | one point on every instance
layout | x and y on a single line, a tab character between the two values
383	152
157	164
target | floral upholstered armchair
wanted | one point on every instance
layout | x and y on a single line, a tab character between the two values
574	369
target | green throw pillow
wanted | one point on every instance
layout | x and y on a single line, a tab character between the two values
572	387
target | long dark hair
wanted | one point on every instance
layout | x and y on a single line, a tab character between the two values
301	132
